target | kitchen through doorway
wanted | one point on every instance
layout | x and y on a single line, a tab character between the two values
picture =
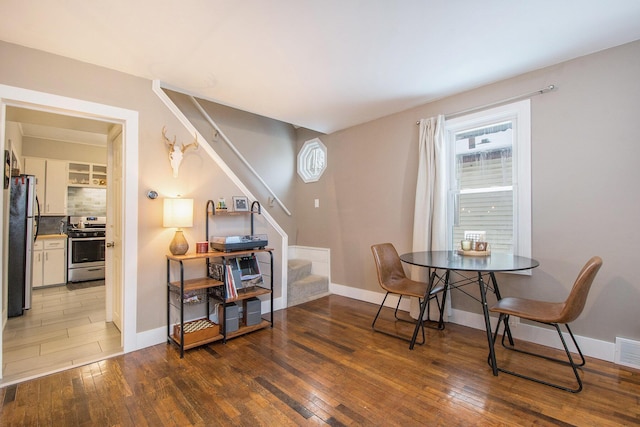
70	323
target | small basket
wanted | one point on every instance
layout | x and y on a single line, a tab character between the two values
188	297
197	330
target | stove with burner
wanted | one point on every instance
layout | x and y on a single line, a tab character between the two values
86	248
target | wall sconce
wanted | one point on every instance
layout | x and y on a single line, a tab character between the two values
178	213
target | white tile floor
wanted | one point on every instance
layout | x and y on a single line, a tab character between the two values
63	329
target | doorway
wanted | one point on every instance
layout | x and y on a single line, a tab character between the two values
126	122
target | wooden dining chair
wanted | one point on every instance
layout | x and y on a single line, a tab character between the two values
550	313
393	280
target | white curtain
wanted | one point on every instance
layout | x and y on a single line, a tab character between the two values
430	214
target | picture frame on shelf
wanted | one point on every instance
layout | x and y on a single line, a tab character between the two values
240	204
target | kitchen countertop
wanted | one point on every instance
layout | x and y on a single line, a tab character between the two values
51	236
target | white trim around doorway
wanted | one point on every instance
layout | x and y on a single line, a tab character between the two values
30	99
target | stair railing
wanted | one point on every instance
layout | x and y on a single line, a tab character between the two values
237	153
157	88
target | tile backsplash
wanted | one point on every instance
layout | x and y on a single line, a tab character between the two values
82	201
52	225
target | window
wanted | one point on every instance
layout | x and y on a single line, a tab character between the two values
312	160
490	177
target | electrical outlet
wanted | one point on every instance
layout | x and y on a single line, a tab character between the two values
316	203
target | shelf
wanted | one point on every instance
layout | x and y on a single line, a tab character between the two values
79	168
180	292
249	293
232	212
195	284
87	175
215	254
99	169
195	344
246	329
243	294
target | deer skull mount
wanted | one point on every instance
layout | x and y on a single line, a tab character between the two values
175	152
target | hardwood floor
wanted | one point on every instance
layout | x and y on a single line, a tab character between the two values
63	329
322	365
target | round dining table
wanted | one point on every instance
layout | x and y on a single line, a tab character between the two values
481	266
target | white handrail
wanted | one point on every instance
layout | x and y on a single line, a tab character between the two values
157	89
237	153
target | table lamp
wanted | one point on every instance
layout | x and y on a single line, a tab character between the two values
178	213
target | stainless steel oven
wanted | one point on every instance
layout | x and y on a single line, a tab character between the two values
86	247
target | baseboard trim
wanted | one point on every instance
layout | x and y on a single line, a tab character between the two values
548	337
159	335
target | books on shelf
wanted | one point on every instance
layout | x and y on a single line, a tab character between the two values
232	290
242	272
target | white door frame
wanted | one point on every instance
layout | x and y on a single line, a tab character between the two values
35	100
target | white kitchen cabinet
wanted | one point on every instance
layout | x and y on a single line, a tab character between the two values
50	261
56	188
36	277
87	175
51	184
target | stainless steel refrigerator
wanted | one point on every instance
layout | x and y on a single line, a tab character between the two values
23	230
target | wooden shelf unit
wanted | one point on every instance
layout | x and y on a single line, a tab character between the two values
214	290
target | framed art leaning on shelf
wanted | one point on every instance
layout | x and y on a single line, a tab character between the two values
240	204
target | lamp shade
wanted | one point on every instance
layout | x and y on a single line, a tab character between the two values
178	213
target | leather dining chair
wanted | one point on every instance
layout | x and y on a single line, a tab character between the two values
393	280
550	313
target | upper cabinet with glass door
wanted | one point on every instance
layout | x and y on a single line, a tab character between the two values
87	175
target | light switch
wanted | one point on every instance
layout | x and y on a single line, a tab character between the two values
316	203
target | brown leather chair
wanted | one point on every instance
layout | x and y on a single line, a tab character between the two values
550	313
393	280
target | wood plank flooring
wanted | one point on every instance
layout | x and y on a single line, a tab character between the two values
63	329
322	365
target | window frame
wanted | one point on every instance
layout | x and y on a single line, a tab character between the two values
305	157
520	114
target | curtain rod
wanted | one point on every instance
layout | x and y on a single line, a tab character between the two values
493	104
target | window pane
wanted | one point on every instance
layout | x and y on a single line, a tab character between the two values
491	212
483	156
484	176
485	169
489	155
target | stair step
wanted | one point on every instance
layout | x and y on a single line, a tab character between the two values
307	289
298	269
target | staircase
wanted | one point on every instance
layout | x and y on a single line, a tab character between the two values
302	286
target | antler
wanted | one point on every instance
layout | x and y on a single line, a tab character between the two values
169	143
194	143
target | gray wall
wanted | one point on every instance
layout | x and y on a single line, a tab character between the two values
585	150
199	176
268	145
48	149
584	177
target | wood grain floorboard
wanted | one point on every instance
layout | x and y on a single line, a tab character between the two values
321	364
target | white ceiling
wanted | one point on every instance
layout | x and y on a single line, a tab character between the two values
58	127
321	64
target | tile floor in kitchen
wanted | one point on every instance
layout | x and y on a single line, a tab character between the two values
63	329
